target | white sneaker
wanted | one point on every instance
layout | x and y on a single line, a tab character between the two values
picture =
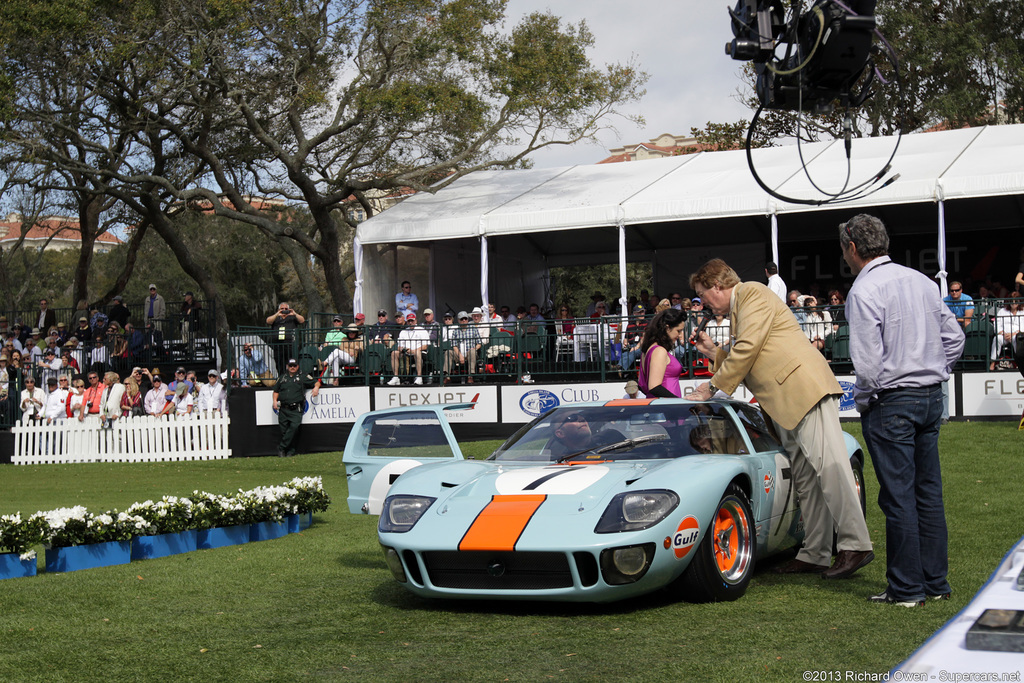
394	381
418	381
527	379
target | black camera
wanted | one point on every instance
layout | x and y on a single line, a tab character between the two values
827	50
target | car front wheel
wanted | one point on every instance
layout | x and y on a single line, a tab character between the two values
724	562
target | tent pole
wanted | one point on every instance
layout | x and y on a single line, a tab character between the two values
941	275
484	294
775	240
357	292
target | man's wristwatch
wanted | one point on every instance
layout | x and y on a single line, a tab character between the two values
712	389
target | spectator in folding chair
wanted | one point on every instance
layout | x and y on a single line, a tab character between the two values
251	366
465	344
345	355
412	341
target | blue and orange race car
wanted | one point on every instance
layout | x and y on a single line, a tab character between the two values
591	502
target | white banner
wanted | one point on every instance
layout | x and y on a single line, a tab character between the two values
484	400
520	404
993	393
332	404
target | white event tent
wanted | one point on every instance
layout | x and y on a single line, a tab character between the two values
496	233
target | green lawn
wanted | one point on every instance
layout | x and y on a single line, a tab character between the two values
321	605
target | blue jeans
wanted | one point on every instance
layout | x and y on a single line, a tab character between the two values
902	433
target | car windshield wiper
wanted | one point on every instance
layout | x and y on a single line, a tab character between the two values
616	446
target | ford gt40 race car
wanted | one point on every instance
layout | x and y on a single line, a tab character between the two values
590	502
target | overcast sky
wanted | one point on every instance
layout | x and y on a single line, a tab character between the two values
679	43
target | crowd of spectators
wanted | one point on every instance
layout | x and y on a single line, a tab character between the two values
422	347
106	397
45	360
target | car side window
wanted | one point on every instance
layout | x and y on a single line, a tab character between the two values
406	435
758	430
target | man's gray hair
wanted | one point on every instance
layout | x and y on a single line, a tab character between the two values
868	233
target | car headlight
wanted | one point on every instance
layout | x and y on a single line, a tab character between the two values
636	510
400	513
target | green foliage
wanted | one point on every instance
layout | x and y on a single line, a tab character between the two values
574	285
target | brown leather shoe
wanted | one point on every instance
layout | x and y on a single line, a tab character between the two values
799	567
847	562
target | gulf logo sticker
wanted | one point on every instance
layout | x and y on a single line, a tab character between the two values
769	482
685	537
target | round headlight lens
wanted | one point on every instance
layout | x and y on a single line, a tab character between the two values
630	561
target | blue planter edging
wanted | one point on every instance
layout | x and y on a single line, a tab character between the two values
265	531
163	545
305	520
90	556
223	536
13	567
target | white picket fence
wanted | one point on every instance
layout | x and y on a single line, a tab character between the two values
128	439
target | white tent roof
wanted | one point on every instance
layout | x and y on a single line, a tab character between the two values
973	162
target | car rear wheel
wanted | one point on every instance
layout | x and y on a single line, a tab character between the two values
724	562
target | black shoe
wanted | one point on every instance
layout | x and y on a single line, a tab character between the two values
884	598
281	453
847	562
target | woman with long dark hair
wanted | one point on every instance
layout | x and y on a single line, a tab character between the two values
659	368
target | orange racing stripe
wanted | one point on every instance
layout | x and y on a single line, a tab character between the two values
501	523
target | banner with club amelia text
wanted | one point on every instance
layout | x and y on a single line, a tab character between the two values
332	405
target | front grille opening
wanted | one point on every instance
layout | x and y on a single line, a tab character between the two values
486	570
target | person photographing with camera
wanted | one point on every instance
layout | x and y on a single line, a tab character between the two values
283	322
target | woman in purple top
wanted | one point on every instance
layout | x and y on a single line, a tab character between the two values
660	369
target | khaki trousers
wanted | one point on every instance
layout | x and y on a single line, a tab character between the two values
824	482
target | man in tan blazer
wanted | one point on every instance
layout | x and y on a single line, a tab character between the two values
794	385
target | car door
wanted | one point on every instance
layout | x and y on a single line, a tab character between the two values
384	444
777	504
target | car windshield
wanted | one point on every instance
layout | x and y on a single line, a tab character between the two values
625	431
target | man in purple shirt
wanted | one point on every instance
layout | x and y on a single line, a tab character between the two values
904	341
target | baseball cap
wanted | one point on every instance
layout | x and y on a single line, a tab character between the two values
695	300
118	298
410	316
360	316
292	361
381	312
632	386
180	369
212	373
152	286
428	311
463	315
639	309
337	318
